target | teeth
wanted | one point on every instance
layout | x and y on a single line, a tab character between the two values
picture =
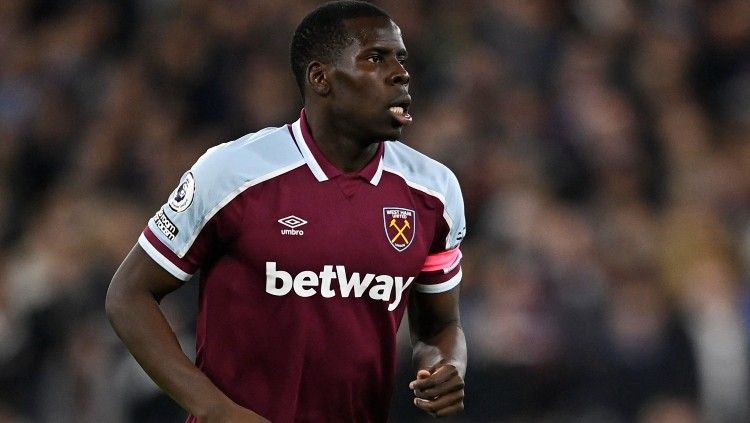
397	110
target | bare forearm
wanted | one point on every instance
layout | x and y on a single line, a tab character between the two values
448	346
140	324
440	362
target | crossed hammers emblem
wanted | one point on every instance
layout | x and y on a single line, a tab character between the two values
400	233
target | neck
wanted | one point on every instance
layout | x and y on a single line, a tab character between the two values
341	147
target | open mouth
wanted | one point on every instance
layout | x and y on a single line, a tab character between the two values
400	112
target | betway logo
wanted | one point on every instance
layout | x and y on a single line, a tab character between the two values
308	283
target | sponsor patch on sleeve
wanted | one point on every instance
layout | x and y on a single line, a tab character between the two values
166	226
182	197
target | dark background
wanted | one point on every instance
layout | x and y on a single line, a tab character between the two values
603	147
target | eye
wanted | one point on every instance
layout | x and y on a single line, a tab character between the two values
376	58
402	60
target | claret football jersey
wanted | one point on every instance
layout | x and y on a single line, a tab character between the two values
305	271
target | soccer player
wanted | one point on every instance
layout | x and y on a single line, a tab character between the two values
312	239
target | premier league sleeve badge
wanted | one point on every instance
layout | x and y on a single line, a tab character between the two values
182	197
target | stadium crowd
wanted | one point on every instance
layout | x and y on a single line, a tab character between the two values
603	147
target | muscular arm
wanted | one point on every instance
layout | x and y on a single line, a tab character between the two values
439	352
133	309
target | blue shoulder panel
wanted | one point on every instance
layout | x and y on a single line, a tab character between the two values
221	174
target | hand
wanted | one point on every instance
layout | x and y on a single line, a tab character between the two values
440	393
233	414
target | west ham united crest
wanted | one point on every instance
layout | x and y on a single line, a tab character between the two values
400	225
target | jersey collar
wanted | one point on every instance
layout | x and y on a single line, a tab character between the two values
320	166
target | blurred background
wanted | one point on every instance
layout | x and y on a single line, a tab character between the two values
603	147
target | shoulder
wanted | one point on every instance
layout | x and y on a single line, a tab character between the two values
268	151
219	176
228	169
420	171
231	167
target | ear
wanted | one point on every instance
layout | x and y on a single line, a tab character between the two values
318	78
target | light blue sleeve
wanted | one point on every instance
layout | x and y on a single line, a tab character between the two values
221	174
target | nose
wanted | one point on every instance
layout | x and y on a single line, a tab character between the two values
400	75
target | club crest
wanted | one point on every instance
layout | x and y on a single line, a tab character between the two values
400	226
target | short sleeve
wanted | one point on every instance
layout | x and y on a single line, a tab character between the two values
442	267
205	212
186	228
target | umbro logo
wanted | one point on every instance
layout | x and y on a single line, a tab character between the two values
292	222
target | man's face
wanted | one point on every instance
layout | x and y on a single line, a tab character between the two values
369	85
